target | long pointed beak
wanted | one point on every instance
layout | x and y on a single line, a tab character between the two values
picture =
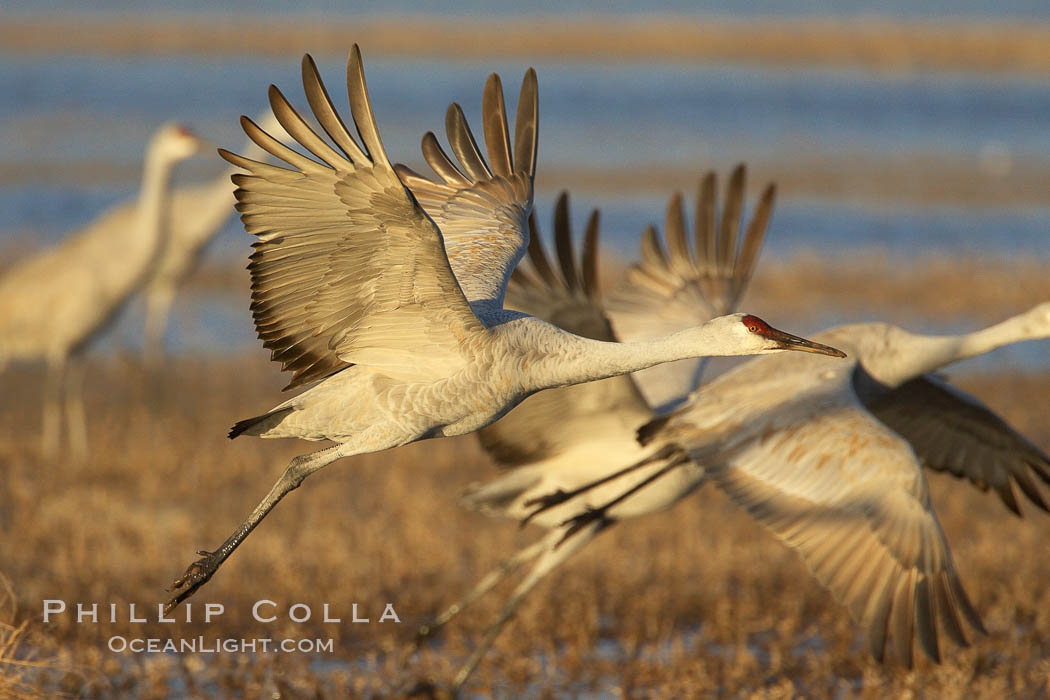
794	342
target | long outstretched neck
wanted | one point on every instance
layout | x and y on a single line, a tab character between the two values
928	353
574	359
151	215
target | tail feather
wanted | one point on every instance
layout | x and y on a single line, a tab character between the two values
495	497
258	424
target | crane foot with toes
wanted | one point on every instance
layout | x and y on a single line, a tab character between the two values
578	522
197	574
543	503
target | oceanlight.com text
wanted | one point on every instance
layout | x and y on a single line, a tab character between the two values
215	645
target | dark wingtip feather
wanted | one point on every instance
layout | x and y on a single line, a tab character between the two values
563	241
591	285
538	256
648	432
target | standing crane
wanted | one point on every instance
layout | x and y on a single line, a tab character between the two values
197	213
54	303
392	297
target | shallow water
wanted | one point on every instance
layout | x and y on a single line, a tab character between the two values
63	113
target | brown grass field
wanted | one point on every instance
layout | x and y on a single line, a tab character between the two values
698	601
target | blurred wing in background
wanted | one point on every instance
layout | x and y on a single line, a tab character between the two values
954	432
667	292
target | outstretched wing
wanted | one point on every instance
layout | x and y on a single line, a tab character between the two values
954	432
666	292
348	269
849	495
553	421
482	206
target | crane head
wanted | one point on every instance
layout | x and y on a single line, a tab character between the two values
779	340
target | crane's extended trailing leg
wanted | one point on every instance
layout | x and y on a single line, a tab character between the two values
199	572
554	554
545	503
601	513
486	584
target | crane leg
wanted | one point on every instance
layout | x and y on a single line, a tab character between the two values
199	572
554	555
52	419
545	503
158	310
600	514
486	584
74	401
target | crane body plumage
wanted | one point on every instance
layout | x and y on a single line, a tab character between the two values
386	402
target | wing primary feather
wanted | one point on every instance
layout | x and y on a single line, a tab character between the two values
945	610
904	617
323	108
526	125
652	252
301	131
563	241
497	135
277	149
1029	488
962	603
539	257
463	144
752	244
441	164
705	222
255	167
410	178
879	616
677	245
925	620
591	285
731	211
361	108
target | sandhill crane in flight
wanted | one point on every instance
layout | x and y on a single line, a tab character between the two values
562	439
828	456
196	215
565	443
394	298
53	303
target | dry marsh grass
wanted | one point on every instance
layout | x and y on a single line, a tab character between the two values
696	601
699	600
